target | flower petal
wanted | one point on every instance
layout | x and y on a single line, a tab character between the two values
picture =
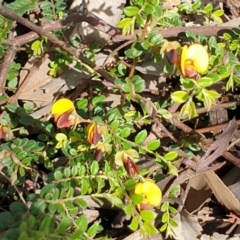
61	106
64	120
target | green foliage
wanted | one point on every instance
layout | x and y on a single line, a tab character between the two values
169	211
50	177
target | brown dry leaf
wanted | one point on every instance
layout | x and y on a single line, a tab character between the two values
188	227
198	194
222	192
42	89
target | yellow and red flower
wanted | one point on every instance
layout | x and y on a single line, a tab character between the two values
194	60
3	132
151	193
190	60
93	133
64	114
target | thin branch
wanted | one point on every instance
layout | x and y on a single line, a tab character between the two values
5	66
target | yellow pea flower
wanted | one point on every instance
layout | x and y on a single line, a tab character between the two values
3	132
64	114
194	60
61	106
152	195
93	133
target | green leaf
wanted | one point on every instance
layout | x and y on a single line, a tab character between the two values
98	100
129	184
64	224
81	203
148	215
131	11
187	83
129	209
46	223
94	168
58	175
21	6
139	20
141	136
154	2
179	96
208	8
153	145
156	39
134	224
149	228
196	5
173	210
94	229
115	201
126	25
84	186
171	156
188	110
173	222
17	207
21	171
218	13
136	198
126	87
125	132
205	81
134	51
165	217
37	48
163	227
227	36
164	206
149	9
67	172
82	224
138	82
6	219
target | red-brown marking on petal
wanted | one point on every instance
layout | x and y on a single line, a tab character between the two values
63	120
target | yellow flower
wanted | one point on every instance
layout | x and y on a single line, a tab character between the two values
64	114
93	133
152	195
61	106
3	132
194	60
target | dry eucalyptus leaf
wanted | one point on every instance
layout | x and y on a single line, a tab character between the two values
198	194
188	227
222	192
42	89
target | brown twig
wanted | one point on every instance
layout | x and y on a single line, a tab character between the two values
6	63
114	32
213	128
5	66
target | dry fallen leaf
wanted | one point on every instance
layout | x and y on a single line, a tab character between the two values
188	227
222	192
